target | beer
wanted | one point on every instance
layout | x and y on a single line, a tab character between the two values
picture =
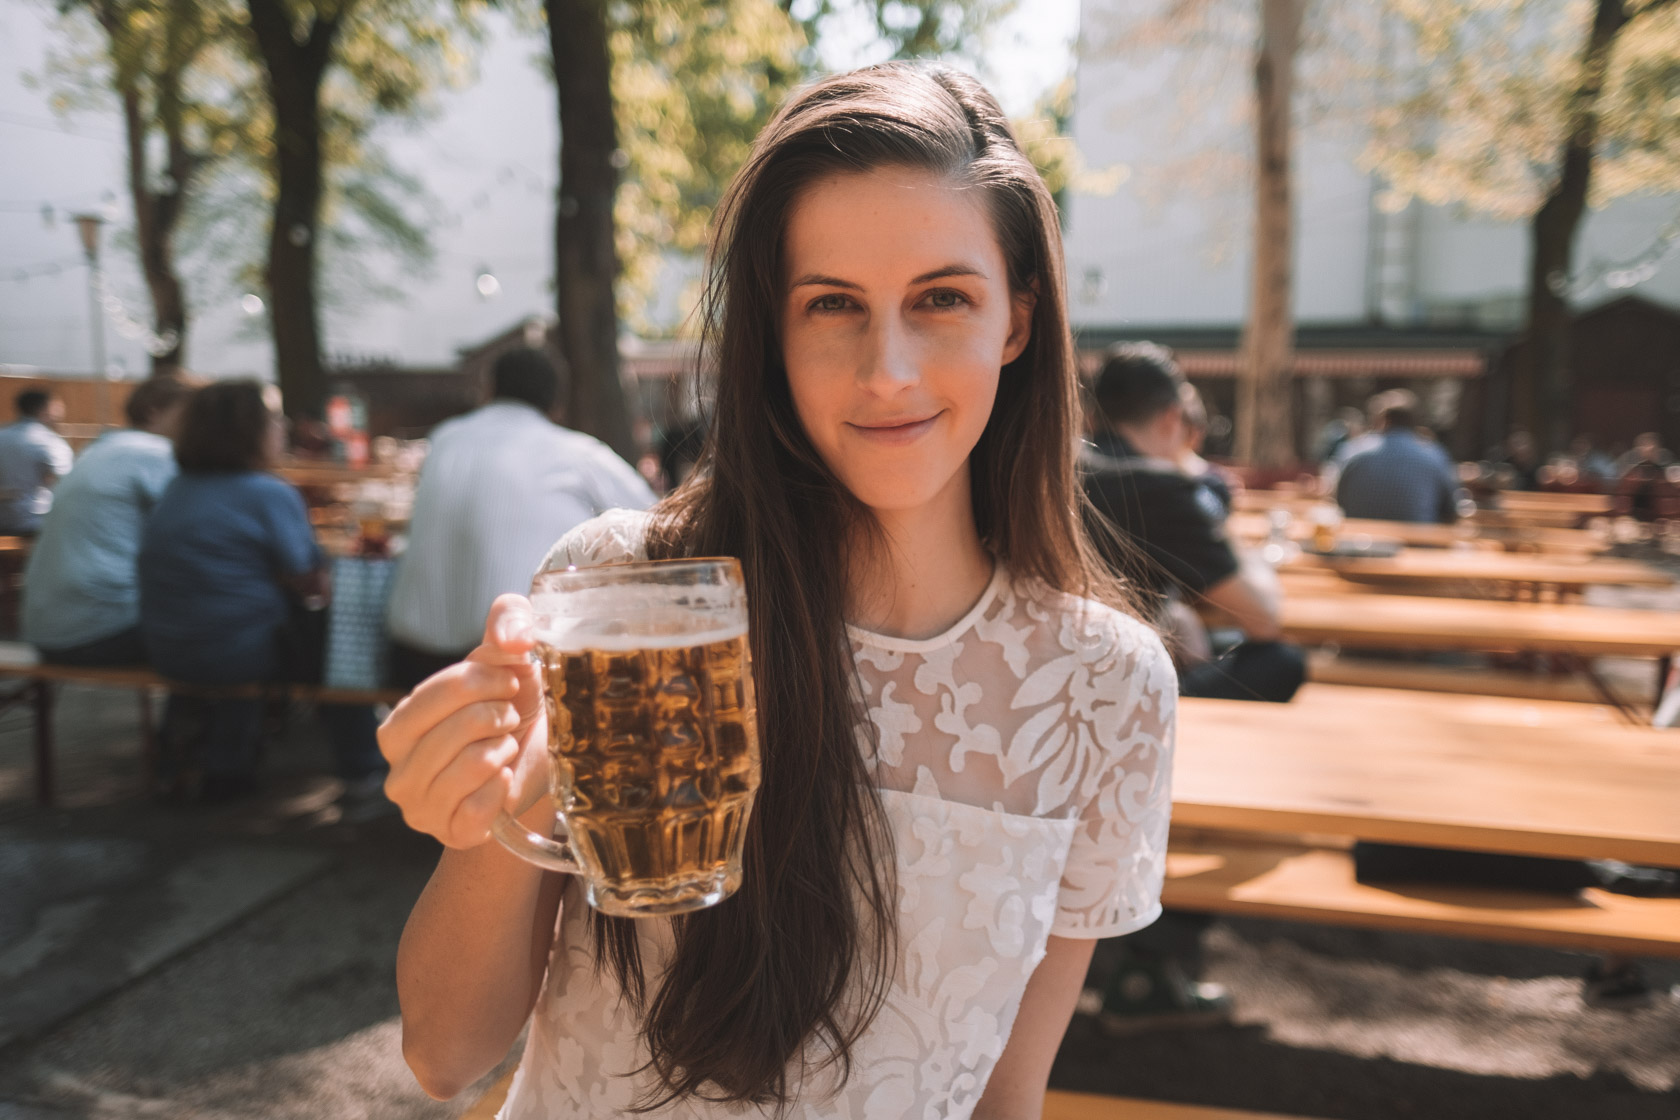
653	744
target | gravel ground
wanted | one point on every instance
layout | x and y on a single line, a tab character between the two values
290	1011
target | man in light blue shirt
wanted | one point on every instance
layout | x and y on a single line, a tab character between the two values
1398	475
82	594
33	456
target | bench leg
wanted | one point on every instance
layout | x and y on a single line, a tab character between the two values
148	743
43	744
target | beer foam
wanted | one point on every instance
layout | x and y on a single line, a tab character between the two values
620	619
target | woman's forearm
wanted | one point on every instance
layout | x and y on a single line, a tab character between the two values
471	962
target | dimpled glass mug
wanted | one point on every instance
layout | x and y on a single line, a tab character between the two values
652	732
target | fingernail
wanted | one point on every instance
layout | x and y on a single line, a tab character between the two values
513	628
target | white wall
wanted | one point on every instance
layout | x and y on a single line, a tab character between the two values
1174	250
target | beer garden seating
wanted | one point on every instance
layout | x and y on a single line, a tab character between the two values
37	684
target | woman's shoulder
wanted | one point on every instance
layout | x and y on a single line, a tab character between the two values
613	537
1091	628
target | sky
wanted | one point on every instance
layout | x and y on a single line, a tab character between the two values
488	159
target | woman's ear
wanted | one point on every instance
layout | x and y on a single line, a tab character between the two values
1021	306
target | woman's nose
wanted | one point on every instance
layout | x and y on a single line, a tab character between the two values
891	361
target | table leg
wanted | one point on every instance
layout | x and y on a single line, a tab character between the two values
43	744
148	742
1606	693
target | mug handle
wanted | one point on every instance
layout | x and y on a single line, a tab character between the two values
551	855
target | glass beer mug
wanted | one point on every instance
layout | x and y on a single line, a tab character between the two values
652	732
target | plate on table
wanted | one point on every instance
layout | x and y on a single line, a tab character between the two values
1356	548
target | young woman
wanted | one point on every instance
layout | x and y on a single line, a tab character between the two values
966	744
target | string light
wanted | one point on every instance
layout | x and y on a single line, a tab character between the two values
127	325
1620	277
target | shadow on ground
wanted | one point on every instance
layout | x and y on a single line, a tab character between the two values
282	1004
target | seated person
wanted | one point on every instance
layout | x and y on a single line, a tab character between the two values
499	486
226	560
82	605
1132	478
1190	459
33	457
1400	475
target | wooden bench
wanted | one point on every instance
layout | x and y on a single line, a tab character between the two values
1325	668
38	681
1058	1105
1296	880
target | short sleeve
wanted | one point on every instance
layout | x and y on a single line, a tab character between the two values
57	456
614	537
291	541
155	474
1178	523
617	485
1111	883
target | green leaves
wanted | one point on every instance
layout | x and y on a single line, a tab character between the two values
1493	91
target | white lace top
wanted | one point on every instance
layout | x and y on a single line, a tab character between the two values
1024	764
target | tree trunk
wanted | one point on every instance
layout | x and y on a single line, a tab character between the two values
155	216
293	72
1541	381
1265	434
585	260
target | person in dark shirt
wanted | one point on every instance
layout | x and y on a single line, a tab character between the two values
1131	476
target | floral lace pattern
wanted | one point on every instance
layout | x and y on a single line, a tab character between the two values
1024	765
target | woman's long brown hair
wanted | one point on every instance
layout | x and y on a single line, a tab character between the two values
781	980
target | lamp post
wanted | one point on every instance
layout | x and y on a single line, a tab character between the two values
88	226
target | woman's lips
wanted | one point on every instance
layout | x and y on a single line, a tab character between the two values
895	434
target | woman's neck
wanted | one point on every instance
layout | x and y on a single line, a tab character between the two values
930	570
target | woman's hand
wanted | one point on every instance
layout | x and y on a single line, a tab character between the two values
472	739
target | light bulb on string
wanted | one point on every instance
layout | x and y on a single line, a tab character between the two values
251	303
487	284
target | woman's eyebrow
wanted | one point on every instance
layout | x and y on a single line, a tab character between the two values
816	279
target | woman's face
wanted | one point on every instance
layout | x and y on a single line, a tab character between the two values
896	320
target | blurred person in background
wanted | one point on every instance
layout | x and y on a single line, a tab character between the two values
1592	464
33	457
232	586
1647	451
1399	475
1642	476
1348	424
1132	475
82	606
498	487
1189	457
1518	463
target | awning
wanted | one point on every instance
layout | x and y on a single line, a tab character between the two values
1330	363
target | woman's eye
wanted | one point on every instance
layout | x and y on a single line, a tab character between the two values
945	298
830	302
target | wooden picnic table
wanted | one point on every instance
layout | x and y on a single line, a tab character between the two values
1527	777
1486	574
321	473
1249	527
1582	505
1529	518
1378	621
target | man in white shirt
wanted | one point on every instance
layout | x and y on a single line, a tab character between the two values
83	601
500	485
33	456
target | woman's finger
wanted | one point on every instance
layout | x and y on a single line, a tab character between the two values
469	824
476	764
433	752
509	633
436	698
